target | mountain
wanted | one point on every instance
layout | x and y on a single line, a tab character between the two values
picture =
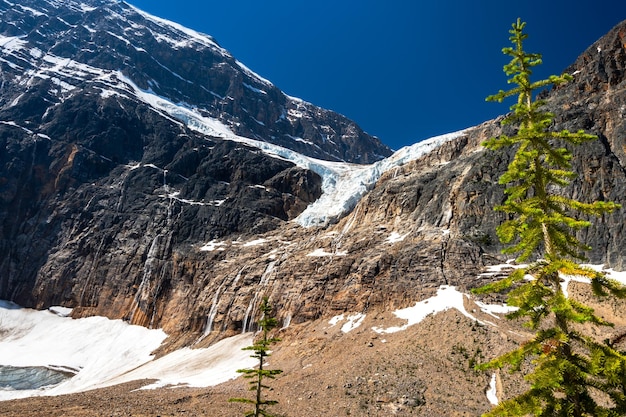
128	191
112	50
105	107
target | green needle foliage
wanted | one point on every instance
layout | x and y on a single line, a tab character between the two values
261	352
572	374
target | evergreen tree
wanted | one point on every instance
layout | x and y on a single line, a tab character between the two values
570	370
261	351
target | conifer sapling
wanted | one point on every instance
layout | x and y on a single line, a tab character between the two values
261	351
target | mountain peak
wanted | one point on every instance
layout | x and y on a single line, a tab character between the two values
175	63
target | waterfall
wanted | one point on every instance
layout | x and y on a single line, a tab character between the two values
215	303
287	321
253	302
147	273
213	311
251	310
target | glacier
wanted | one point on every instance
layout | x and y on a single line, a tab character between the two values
343	184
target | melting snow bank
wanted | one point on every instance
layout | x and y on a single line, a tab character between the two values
610	273
102	352
492	392
197	367
448	297
351	322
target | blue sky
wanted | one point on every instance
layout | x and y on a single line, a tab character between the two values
404	70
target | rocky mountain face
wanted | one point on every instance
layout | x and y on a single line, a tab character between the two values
67	49
90	161
122	195
147	175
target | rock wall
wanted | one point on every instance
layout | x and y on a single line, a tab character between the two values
111	208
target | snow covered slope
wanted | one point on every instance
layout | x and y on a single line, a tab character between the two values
102	352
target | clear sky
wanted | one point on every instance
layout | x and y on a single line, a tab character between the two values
404	70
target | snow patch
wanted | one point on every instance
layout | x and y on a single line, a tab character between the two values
335	320
12	43
12	123
492	393
217	203
36	53
321	253
254	89
61	311
447	297
493	309
86	8
212	246
255	242
619	276
610	273
351	322
396	237
31	10
565	279
197	367
253	74
497	269
194	36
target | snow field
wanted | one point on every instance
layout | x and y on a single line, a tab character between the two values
105	352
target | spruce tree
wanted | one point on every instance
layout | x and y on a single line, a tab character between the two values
261	351
572	374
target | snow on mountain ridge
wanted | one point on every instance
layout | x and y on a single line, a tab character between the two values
198	37
343	184
181	64
190	35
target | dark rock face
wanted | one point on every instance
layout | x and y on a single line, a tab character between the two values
65	46
596	102
64	202
109	204
88	166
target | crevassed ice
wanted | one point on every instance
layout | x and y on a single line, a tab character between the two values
343	184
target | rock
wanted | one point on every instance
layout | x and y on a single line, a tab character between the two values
113	208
